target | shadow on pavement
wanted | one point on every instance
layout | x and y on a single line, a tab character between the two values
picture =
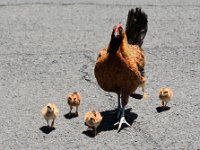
70	116
90	133
162	108
47	129
136	96
109	119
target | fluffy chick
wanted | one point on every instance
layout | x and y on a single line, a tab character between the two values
50	112
93	120
74	99
165	95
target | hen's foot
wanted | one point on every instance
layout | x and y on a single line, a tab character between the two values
122	120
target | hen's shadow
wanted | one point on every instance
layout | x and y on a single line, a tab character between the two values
162	108
136	96
47	129
109	119
70	116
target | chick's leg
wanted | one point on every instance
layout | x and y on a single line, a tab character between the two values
47	122
95	131
70	112
52	124
122	120
163	103
76	113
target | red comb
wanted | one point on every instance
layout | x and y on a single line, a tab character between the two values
119	25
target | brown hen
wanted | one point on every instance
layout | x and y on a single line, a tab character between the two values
120	67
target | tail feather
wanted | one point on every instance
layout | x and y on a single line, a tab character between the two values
136	26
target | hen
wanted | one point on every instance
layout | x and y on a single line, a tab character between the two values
120	67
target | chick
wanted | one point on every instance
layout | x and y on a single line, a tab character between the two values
74	99
50	112
165	95
93	120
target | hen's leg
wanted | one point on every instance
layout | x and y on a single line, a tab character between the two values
119	102
122	117
119	108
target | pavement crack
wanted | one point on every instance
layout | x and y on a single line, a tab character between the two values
86	75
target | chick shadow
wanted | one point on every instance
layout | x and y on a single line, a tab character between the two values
47	129
90	133
162	108
70	116
109	119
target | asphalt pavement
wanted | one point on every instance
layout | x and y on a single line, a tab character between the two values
49	48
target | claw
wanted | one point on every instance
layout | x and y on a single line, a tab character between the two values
122	120
121	113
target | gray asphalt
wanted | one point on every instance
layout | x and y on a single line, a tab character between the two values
48	49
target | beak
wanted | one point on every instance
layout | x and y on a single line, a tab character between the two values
49	108
116	35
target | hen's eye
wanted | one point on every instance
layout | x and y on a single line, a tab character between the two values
120	29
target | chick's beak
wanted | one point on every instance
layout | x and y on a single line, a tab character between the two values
49	108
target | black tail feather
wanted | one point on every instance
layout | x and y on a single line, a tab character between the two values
136	26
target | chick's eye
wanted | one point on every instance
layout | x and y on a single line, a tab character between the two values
165	92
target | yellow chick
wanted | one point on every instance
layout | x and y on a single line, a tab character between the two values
93	120
165	95
50	112
74	99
